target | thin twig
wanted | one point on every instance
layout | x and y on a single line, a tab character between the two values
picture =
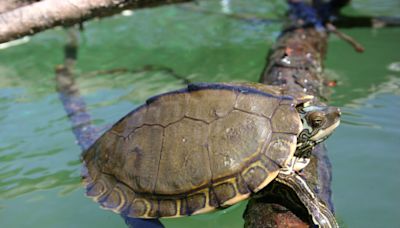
357	46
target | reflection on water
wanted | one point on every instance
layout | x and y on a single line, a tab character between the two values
39	160
374	101
395	67
16	42
365	156
365	149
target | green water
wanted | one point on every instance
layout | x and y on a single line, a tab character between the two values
39	159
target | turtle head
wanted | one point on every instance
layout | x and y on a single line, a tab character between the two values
318	124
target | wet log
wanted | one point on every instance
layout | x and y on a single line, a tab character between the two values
296	63
33	18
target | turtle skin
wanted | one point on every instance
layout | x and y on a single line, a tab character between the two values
193	150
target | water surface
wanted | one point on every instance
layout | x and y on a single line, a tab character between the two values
39	159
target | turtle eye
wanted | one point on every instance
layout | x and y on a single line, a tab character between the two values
316	119
317	122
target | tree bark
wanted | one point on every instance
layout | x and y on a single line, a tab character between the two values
7	5
39	16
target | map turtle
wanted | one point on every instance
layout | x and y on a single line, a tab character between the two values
207	146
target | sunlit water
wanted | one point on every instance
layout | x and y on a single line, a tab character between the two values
39	160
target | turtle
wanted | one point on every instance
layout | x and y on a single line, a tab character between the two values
207	146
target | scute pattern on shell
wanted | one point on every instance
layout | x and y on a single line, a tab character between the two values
193	150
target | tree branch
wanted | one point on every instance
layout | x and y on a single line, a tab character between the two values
7	5
39	16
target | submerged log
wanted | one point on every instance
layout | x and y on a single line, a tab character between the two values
75	107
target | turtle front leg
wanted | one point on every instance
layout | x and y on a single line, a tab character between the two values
320	213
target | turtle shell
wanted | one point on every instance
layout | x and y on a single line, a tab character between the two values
193	150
